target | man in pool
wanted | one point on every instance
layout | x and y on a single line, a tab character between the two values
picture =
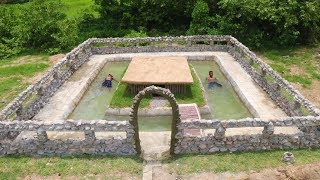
108	81
212	81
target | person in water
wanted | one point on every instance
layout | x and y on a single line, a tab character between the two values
212	81
108	81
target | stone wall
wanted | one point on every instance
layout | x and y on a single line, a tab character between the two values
15	117
264	140
40	144
160	44
279	90
30	101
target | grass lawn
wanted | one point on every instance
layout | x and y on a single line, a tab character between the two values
298	65
237	162
74	8
16	74
14	167
122	98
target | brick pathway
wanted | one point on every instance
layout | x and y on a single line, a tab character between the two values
189	111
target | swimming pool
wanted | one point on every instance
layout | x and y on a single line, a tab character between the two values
96	99
224	102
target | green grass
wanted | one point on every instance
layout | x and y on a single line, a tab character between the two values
303	57
74	8
14	167
24	69
194	93
305	81
122	98
237	162
15	72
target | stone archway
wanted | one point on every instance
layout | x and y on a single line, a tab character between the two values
175	114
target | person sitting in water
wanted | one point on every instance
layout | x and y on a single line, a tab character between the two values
108	81
212	81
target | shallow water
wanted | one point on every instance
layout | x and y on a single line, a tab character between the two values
224	102
97	98
157	123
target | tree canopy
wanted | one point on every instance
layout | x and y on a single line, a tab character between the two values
42	24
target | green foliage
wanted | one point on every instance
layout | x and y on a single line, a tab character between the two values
279	21
44	25
13	1
38	24
200	23
9	45
161	15
134	34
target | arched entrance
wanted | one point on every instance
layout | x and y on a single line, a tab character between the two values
175	114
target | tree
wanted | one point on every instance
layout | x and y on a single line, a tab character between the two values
8	43
42	25
200	23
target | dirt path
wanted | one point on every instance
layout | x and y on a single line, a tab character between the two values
155	146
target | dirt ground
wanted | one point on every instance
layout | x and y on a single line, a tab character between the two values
312	93
305	172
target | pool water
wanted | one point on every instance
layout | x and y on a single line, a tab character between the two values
148	124
224	102
97	98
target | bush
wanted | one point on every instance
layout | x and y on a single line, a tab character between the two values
281	22
43	25
40	24
200	23
13	1
8	43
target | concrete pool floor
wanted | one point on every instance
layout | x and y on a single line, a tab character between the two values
67	97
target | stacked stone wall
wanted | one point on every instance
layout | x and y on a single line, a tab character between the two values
264	140
16	116
37	142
